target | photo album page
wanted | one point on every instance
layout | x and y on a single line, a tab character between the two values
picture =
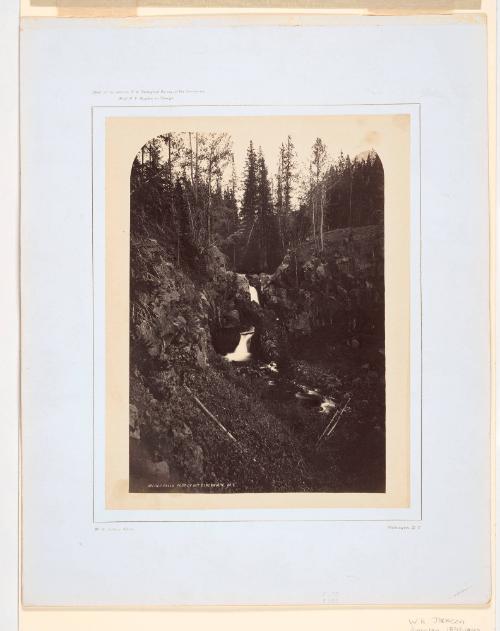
255	311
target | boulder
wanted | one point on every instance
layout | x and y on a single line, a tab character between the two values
231	319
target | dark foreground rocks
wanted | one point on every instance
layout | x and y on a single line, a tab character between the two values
201	424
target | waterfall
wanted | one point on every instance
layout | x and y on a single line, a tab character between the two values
241	352
254	296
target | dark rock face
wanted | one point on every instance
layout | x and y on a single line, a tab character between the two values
274	345
176	321
343	286
231	319
178	317
170	322
162	448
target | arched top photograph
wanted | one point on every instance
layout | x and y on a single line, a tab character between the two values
256	313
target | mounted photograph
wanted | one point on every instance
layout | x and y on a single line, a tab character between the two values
257	340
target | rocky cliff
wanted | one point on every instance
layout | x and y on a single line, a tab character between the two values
341	288
180	387
198	420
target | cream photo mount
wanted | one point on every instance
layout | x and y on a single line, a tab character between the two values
117	135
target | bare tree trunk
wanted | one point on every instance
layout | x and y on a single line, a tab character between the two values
169	160
280	228
314	219
171	191
265	264
209	210
191	221
191	160
321	202
350	198
209	414
196	174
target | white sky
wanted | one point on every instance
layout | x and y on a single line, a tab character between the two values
303	136
351	134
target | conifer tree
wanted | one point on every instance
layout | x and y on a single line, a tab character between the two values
285	180
249	207
288	175
264	211
280	212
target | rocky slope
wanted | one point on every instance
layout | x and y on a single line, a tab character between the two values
201	423
175	313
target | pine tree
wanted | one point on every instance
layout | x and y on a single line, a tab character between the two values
288	175
264	211
280	212
249	207
284	190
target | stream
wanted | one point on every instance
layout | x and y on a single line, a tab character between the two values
242	354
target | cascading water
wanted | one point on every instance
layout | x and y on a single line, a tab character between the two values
254	296
242	353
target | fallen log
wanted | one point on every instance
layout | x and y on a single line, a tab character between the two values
332	424
327	426
208	413
338	419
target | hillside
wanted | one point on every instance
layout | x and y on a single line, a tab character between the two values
197	419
